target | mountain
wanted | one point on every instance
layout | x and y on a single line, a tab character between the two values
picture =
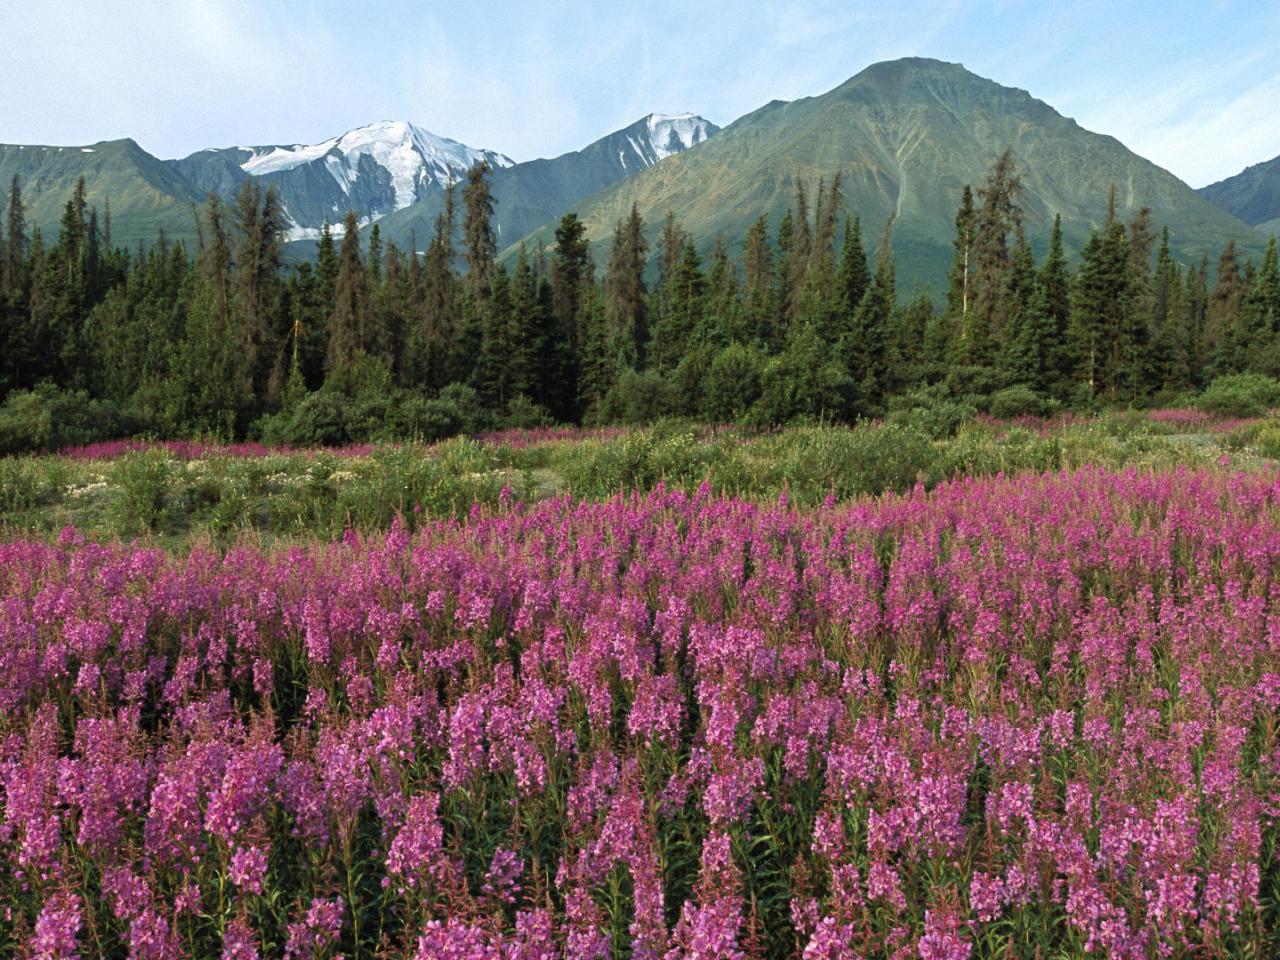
906	136
375	170
1253	195
530	194
145	194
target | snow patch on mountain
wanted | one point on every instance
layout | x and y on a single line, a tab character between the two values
411	156
672	133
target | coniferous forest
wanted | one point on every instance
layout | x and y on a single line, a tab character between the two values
370	341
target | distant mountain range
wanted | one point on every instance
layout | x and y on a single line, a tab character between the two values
529	195
374	170
1253	195
391	173
905	136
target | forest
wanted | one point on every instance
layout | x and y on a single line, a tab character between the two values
805	322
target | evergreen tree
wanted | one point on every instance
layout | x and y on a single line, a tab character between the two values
1169	362
495	360
1055	283
852	279
436	332
867	348
1221	341
571	282
14	333
675	332
1099	308
348	327
758	296
996	219
256	280
816	294
626	313
477	229
722	314
960	286
12	280
1268	278
783	291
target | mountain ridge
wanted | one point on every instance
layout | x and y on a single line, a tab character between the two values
529	193
1253	195
906	136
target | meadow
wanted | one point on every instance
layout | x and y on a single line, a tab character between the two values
911	689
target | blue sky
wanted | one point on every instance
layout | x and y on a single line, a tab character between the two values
1192	86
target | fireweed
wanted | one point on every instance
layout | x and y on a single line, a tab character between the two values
1008	717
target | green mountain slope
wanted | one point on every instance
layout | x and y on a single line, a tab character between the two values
906	136
1253	195
144	193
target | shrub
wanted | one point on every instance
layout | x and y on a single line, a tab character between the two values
20	486
732	384
1240	395
142	482
1017	401
525	414
48	418
930	411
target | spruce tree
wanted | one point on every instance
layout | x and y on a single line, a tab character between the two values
1136	374
15	249
960	285
867	350
531	335
852	278
436	331
477	229
1099	308
1269	282
1168	358
758	293
492	376
256	279
1055	282
348	327
722	316
1221	342
626	307
998	217
571	283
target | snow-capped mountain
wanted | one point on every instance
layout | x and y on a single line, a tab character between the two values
675	133
529	194
374	170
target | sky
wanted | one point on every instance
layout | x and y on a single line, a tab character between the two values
1193	86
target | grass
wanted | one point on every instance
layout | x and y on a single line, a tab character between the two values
171	495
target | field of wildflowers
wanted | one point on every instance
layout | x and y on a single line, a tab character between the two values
1011	716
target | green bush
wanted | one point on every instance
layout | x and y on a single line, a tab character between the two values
930	411
732	384
640	397
142	485
1267	441
48	418
1240	395
20	484
867	459
524	414
1017	401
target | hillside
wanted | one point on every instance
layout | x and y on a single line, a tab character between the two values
906	136
1253	195
145	194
